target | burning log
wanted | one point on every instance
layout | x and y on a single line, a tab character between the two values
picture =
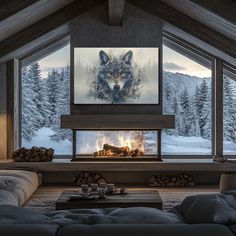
109	150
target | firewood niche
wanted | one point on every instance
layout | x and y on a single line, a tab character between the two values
141	122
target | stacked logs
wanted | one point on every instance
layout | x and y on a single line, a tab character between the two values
88	178
163	180
112	151
34	154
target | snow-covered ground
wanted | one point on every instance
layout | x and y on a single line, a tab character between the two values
43	140
178	145
171	145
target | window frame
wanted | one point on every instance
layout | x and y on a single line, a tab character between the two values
231	73
216	90
218	65
33	57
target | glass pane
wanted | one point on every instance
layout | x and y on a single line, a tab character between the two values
187	95
89	142
229	114
45	96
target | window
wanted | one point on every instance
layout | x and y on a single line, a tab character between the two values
187	95
229	112
45	87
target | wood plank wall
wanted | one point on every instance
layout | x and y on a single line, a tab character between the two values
3	113
9	108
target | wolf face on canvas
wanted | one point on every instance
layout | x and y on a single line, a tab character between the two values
115	81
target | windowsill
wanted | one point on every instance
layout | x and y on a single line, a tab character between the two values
66	165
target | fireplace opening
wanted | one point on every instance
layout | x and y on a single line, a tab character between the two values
116	144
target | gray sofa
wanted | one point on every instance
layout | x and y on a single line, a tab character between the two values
116	230
201	215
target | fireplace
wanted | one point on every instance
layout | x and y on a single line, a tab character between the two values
130	132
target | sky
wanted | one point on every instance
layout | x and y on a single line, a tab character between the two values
173	62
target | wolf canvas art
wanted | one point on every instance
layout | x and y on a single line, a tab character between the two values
116	76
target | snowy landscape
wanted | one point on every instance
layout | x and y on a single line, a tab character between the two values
187	97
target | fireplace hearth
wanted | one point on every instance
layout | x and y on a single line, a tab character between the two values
127	149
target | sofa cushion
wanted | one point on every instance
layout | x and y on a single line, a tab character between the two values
20	184
210	208
132	215
145	229
28	230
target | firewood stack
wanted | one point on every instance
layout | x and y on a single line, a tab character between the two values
163	180
34	154
88	178
112	151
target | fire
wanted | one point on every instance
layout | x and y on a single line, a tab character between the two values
125	144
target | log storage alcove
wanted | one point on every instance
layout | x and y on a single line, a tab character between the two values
93	122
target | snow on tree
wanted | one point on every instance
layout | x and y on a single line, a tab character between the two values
229	111
34	73
62	105
203	105
52	94
186	114
31	116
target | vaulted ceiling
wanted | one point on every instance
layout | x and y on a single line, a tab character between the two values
29	24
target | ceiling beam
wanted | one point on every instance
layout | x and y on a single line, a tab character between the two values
45	25
189	25
225	9
116	12
10	7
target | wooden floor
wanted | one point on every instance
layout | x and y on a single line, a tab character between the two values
43	200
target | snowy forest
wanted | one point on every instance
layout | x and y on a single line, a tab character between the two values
44	100
185	96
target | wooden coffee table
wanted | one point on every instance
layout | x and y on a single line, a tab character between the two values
134	198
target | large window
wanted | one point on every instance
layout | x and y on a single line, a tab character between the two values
229	112
45	96
187	95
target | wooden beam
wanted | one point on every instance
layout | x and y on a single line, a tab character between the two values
10	7
189	25
46	25
116	11
12	106
225	9
117	122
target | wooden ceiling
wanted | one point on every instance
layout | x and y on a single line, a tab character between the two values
27	24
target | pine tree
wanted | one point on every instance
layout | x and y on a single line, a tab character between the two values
62	105
31	116
229	111
186	119
52	93
34	73
202	106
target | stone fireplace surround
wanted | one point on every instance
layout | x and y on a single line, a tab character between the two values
129	122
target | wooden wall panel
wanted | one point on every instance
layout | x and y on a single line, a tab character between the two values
12	106
3	113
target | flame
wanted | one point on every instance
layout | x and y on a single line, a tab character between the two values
130	139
